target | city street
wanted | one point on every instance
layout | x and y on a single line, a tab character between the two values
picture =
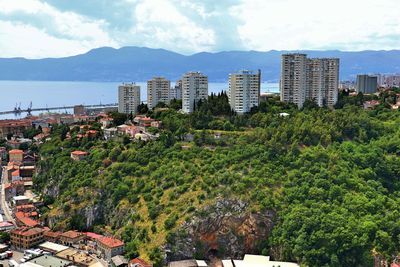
3	203
17	256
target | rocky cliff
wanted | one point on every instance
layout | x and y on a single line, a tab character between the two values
226	229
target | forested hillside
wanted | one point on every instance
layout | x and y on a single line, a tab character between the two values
327	182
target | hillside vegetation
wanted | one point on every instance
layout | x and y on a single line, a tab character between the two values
331	177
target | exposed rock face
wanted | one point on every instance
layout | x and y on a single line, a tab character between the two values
226	229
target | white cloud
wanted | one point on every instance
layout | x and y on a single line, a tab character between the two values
65	33
316	24
160	24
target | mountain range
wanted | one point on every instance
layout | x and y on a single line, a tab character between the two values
141	63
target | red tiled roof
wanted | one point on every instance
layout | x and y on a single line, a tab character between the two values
16	151
15	173
139	263
79	153
93	235
111	242
27	231
52	234
71	234
28	221
6	224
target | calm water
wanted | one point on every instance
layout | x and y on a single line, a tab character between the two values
54	94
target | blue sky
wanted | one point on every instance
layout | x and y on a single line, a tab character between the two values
55	28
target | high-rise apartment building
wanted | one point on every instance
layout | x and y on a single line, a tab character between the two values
293	84
158	90
128	98
323	81
366	84
315	79
244	90
176	91
194	89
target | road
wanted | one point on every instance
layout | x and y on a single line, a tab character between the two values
3	202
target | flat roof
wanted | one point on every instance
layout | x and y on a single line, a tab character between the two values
50	246
50	261
21	198
76	256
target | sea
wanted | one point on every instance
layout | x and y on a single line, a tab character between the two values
44	94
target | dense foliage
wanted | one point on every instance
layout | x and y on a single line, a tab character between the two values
331	176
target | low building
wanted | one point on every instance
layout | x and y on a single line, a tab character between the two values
71	238
106	122
52	247
110	247
51	236
110	133
183	263
371	104
16	155
119	261
79	258
26	237
138	262
78	155
50	261
26	219
6	226
20	200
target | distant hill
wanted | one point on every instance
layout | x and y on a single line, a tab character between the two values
140	64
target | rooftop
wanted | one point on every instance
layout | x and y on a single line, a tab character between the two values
79	153
111	242
138	262
71	234
76	256
50	261
27	231
93	235
52	247
16	152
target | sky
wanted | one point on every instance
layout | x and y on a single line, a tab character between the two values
58	28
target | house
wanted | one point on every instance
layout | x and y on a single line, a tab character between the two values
110	247
15	176
14	127
14	189
70	238
139	263
143	121
132	131
24	219
106	122
16	155
371	104
110	133
20	200
26	237
78	155
6	226
51	236
119	261
27	171
91	241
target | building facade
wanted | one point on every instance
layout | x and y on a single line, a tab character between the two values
158	90
128	98
110	247
323	81
314	79
244	90
194	89
176	91
25	237
366	84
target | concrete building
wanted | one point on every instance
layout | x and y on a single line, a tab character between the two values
110	247
194	89
314	79
158	90
78	155
16	155
176	91
293	83
244	90
26	237
323	81
366	84
71	238
128	98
